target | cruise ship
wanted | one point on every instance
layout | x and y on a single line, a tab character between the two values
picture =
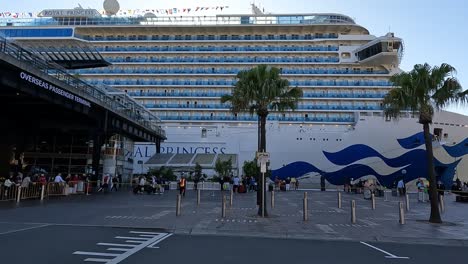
179	64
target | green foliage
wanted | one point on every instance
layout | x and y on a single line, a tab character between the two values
250	168
260	89
423	90
166	173
223	168
198	171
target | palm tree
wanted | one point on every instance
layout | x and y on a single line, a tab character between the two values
423	90
260	90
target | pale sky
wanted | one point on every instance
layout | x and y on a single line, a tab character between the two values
433	31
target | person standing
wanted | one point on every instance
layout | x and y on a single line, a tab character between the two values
401	187
59	179
293	183
322	183
182	185
236	182
288	183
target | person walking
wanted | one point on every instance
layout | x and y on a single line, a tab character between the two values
182	185
115	181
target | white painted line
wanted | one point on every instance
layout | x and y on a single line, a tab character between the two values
136	238
96	260
137	248
115	245
23	229
389	255
144	233
150	236
368	222
159	241
118	249
133	241
95	254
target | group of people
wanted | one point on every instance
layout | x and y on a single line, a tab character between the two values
287	184
149	184
239	184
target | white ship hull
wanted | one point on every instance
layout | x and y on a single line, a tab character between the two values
387	150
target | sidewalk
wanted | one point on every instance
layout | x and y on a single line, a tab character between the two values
325	220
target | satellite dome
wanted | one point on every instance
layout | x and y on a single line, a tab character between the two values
111	7
149	15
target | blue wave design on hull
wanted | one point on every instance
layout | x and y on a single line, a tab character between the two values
413	141
459	150
294	170
358	152
416	169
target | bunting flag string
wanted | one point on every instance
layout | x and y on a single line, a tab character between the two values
130	12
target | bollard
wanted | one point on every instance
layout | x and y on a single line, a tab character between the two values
273	199
402	213
339	200
407	202
18	195
373	201
385	195
305	217
353	212
231	197
423	196
42	192
441	203
198	197
87	188
178	205
223	208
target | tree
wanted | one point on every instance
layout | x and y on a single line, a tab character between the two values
250	168
198	171
421	91
223	168
258	91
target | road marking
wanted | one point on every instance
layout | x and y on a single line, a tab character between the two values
96	260
135	238
23	229
389	255
114	245
326	229
149	240
160	214
95	254
368	222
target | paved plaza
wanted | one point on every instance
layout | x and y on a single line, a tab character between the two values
82	226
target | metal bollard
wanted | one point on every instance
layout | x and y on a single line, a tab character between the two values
178	205
385	195
272	199
42	192
18	195
353	212
402	213
441	203
339	200
198	197
305	211
231	197
407	202
373	201
223	208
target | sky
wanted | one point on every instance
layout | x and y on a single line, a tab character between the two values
433	31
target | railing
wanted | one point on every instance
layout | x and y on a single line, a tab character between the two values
223	59
133	111
219	94
227	106
254	118
217	71
231	82
216	48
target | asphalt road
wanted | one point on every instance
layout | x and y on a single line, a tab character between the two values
49	244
